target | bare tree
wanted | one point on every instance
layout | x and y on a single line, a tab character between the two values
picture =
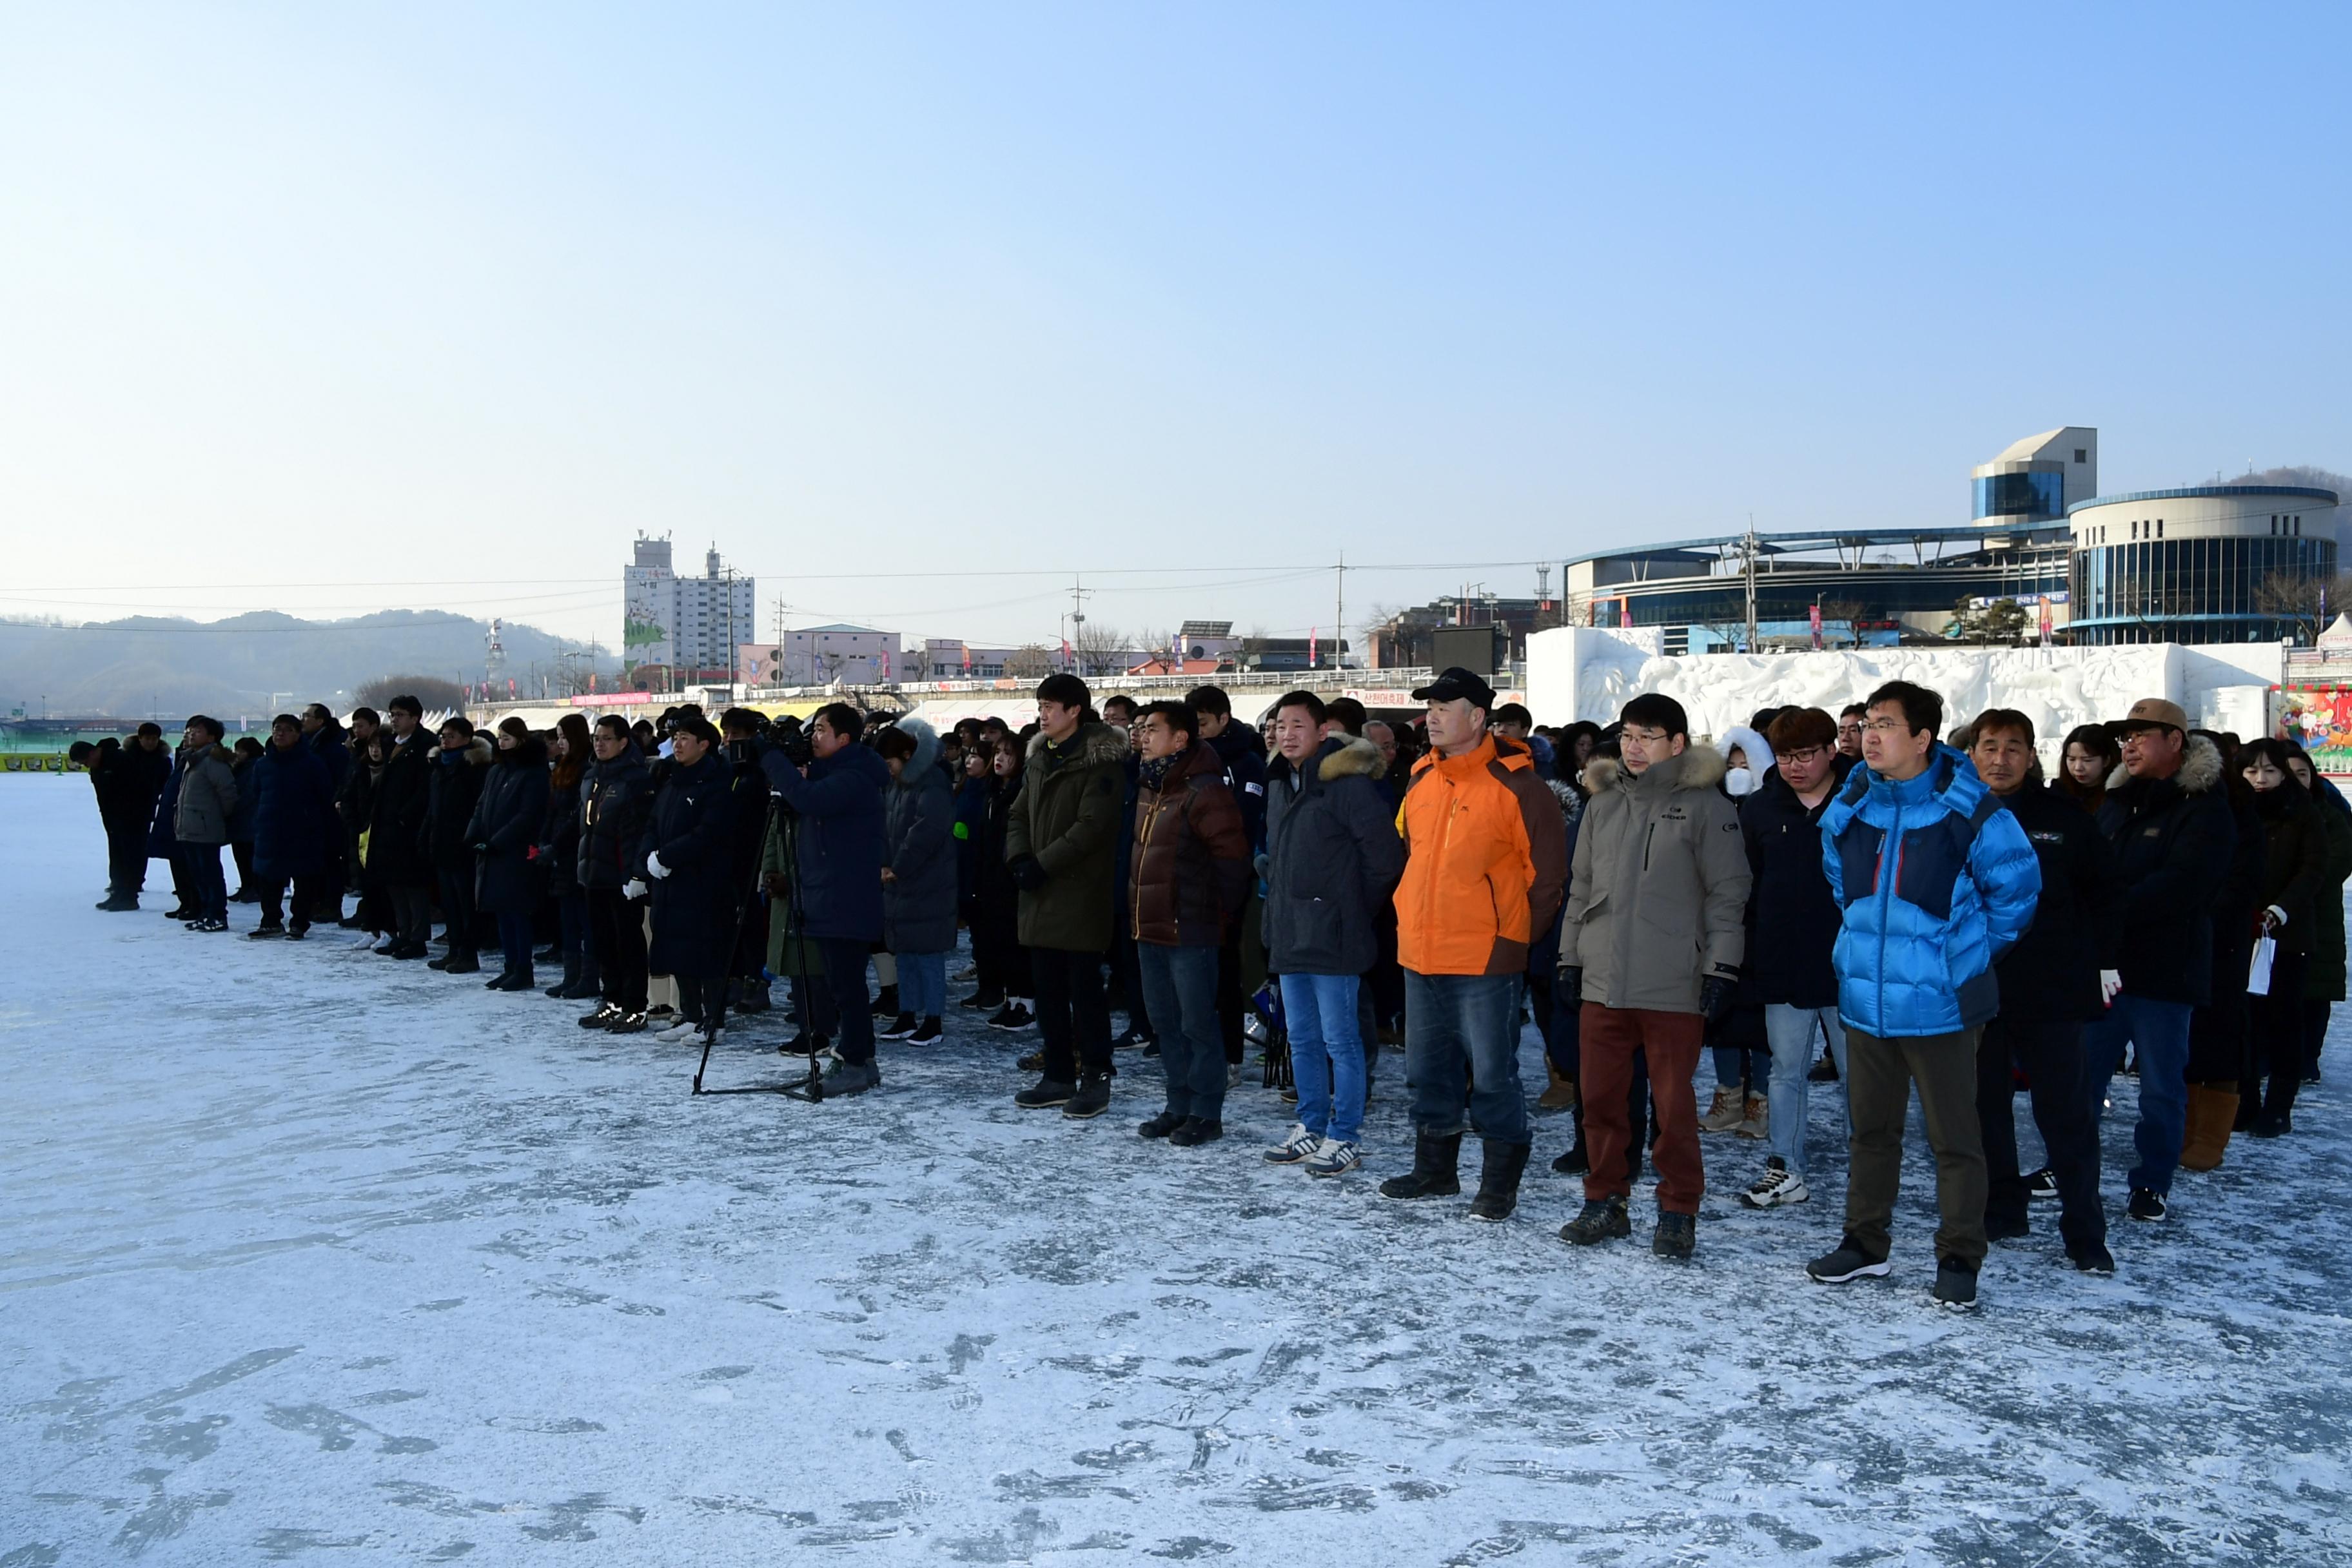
1032	661
1098	649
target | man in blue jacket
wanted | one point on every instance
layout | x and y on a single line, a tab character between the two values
1935	882
841	853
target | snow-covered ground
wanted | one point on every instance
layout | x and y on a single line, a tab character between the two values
311	1252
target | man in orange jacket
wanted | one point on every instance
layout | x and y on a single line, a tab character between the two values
1485	860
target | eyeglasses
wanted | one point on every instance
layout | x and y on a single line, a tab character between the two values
1646	737
1886	726
1805	755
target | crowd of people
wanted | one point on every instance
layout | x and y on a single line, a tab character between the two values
1925	909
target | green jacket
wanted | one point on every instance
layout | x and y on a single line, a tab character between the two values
2323	976
1067	816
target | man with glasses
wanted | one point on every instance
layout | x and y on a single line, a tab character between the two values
2173	834
1792	924
1651	945
1936	882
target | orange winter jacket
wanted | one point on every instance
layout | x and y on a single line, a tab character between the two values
1486	861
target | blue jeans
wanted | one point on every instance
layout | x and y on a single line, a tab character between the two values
2160	1030
1790	1030
1327	1053
1458	1022
923	984
208	883
1180	991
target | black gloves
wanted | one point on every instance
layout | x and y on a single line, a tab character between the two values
1714	997
1027	875
1568	989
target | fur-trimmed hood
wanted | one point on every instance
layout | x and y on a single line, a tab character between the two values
1699	767
478	753
1752	745
2200	768
926	750
1341	757
1097	743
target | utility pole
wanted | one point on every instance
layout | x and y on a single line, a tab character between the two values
1077	621
1749	544
1543	593
1340	612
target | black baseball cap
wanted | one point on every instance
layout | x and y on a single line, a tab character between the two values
1451	685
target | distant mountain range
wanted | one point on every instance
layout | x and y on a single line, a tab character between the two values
247	664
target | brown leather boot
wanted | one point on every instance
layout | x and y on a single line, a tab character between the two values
1559	1094
2212	1107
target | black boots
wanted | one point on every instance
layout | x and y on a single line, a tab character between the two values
1500	1167
1436	1169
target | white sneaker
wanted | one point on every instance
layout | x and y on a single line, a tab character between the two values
1297	1146
1234	1076
1778	1185
1332	1158
678	1031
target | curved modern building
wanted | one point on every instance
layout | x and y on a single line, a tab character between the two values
2211	563
2208	563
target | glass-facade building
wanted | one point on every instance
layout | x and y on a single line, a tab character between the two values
2025	495
2205	564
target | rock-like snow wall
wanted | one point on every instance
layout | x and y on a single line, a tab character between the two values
1575	672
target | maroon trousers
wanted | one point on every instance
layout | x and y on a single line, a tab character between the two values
1670	1041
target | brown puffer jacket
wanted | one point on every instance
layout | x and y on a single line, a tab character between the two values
1192	856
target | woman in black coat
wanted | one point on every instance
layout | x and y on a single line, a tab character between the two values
460	769
294	828
2294	879
996	950
688	865
559	853
504	831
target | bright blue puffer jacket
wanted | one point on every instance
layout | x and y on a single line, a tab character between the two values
1935	882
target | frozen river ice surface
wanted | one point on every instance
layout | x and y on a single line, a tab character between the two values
314	1255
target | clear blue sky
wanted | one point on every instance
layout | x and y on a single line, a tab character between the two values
326	308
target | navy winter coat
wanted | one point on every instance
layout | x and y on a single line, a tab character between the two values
840	840
1792	917
397	806
457	781
919	906
506	822
294	828
161	840
692	832
1242	754
1332	859
1936	882
2053	973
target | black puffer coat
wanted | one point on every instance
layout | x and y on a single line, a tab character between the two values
1792	915
617	800
293	813
506	822
918	904
1333	861
559	835
692	835
2173	840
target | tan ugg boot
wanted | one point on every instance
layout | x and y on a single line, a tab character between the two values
1559	1094
2212	1108
1757	1122
1725	1114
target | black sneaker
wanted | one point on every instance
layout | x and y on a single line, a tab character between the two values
602	1017
296	934
265	934
661	1017
885	1003
2006	1227
2041	1185
1128	1038
899	1029
211	923
1093	1097
1676	1235
2091	1258
1161	1125
1151	1048
386	948
1849	1262
1012	1017
925	1033
1575	1162
1598	1221
2144	1205
1956	1285
627	1024
1194	1131
1045	1094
